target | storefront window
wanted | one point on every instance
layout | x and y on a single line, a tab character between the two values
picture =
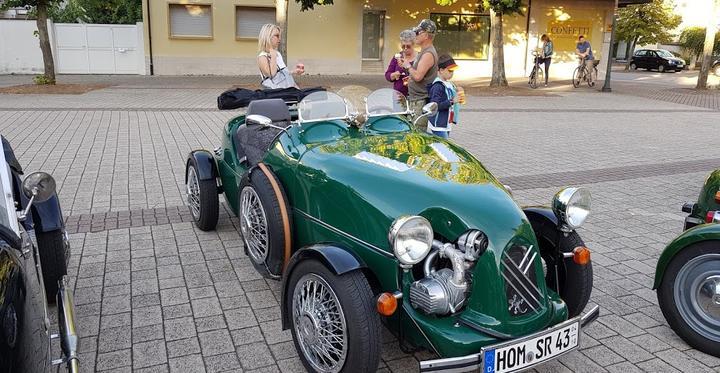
464	36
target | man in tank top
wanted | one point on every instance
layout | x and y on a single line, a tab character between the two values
423	70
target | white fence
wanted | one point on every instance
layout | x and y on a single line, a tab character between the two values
77	48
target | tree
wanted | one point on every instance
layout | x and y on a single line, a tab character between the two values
281	8
646	24
98	11
692	41
41	9
710	36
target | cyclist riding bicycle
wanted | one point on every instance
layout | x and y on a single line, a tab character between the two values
584	51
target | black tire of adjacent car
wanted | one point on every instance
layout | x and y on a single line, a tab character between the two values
666	299
273	265
716	70
209	201
576	281
51	247
361	318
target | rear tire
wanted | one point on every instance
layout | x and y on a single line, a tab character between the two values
576	281
262	224
357	348
202	198
661	68
52	247
633	66
682	291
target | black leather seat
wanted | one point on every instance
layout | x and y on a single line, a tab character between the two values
253	141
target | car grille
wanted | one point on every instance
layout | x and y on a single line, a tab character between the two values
521	290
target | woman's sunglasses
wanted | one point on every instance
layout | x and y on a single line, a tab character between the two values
407	46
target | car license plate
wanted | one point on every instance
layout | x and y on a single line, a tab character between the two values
534	350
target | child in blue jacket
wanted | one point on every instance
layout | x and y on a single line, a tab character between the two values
443	92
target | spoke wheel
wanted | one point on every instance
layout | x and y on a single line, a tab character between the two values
319	324
697	293
534	77
253	224
577	76
202	198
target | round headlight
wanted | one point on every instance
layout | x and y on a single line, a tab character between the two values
411	238
572	206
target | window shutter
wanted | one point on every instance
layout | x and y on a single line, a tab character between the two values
190	20
249	20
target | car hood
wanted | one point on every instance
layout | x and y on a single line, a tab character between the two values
361	184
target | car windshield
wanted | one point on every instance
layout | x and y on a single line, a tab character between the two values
323	105
664	53
386	101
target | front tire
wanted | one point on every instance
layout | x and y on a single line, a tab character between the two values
689	296
575	280
52	247
661	68
334	323
202	197
577	76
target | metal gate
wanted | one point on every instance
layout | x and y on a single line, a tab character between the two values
96	49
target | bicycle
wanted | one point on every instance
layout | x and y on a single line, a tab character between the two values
581	74
536	73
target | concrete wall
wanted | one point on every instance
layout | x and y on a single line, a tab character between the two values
20	54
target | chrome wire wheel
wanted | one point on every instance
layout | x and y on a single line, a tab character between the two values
697	295
253	225
319	324
193	193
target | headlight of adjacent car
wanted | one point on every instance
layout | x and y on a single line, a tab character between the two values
572	206
411	238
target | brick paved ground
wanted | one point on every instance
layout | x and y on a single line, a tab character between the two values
155	294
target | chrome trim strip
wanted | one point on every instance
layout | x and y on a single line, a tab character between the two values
474	361
340	232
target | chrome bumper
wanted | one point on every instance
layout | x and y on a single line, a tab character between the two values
69	340
475	361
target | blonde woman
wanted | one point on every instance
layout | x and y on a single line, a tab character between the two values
273	71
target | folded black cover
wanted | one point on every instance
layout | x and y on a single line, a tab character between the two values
241	97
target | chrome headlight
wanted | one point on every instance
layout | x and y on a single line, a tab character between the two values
411	238
572	206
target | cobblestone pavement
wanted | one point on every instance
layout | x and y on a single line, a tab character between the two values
154	294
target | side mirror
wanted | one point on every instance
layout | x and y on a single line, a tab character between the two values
39	186
430	109
258	120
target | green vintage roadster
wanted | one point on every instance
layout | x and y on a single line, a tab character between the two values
687	277
368	221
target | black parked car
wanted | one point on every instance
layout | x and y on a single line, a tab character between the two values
715	68
656	59
31	275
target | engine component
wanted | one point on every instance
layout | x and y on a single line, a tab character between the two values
437	294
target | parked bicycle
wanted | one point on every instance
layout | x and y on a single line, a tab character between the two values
537	72
582	74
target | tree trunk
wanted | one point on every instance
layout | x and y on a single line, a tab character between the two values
627	54
631	45
498	61
710	31
281	14
48	62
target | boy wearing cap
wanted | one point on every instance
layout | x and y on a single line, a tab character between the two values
423	70
445	94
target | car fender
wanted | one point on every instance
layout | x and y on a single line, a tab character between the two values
206	166
543	221
333	256
705	232
47	215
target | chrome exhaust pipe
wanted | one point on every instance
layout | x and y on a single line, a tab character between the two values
69	340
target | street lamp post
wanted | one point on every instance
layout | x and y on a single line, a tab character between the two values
606	86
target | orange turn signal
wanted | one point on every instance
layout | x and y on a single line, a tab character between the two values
387	304
581	255
717	196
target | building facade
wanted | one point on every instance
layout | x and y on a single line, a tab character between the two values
219	37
